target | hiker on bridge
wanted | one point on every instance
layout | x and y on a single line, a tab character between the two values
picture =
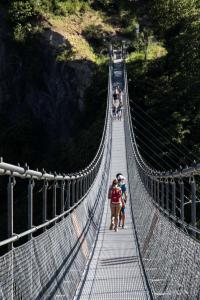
115	197
117	93
114	111
119	111
122	185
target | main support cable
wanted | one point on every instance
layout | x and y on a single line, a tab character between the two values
147	145
158	131
155	138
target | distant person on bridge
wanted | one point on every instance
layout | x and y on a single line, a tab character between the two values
114	112
119	111
115	197
116	94
119	90
122	185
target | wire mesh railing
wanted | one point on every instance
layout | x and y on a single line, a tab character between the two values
175	193
70	189
165	215
50	265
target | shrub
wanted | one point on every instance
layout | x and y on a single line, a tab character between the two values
130	30
97	37
20	32
70	7
21	12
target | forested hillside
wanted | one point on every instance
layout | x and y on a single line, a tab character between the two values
165	88
48	66
54	71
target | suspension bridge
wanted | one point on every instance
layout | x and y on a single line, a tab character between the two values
73	254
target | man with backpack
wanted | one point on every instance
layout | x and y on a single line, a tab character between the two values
115	196
122	185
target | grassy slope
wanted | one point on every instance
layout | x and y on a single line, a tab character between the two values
72	28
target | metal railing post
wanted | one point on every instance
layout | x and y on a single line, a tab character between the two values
167	194
91	176
10	187
73	192
31	185
146	182
44	209
62	198
173	183
193	208
151	186
162	194
181	185
54	208
154	189
89	179
158	191
68	195
77	190
85	183
142	176
81	187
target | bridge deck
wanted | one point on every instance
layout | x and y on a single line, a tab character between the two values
114	270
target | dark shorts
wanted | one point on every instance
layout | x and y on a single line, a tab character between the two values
123	210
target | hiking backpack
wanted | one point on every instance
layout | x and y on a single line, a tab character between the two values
116	195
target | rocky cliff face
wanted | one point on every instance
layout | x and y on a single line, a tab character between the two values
41	98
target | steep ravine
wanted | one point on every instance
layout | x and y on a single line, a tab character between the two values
42	99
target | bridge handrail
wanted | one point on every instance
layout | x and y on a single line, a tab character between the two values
157	182
28	232
86	177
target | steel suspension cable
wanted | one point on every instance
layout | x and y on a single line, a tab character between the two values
158	132
156	146
153	159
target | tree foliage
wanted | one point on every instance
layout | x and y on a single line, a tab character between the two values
21	11
167	14
167	88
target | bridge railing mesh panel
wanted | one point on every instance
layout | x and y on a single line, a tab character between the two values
51	264
171	257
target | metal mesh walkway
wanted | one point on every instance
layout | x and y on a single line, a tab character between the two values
114	270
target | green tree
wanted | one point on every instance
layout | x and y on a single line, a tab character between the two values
167	14
21	12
